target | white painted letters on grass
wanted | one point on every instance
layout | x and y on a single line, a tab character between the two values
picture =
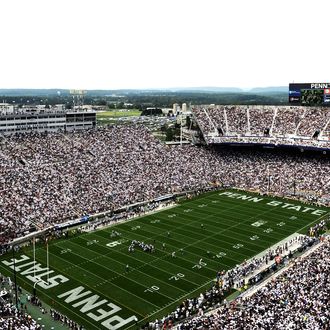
90	302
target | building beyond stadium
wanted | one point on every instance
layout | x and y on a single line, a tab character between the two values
46	121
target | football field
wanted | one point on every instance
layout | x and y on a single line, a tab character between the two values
96	281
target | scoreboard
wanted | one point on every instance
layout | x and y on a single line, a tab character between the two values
310	94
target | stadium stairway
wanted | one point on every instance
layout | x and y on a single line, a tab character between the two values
210	120
273	122
301	119
248	121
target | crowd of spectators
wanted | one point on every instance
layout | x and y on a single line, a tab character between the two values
65	320
48	178
203	117
261	119
314	119
287	119
218	119
318	229
249	272
190	307
285	141
237	119
296	299
12	318
51	178
285	124
237	276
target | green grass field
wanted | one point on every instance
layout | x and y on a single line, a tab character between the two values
235	228
116	114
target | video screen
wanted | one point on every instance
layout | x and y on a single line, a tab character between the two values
316	94
312	96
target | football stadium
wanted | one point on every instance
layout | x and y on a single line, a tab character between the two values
164	165
110	228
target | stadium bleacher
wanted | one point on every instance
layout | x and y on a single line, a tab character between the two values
287	125
49	178
10	316
297	299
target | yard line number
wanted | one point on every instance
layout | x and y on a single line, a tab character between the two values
220	255
94	241
135	227
202	205
268	230
176	277
65	251
115	243
258	223
200	265
153	288
238	246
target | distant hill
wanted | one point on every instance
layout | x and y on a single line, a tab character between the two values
100	92
148	98
33	92
206	89
266	90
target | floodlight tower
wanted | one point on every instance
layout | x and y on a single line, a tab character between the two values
78	97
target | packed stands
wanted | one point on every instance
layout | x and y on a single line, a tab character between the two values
203	118
297	299
50	178
219	119
17	317
286	125
261	119
314	120
10	316
237	119
287	120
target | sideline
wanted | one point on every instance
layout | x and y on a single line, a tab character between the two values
253	289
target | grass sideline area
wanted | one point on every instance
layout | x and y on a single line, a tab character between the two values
236	226
117	113
113	117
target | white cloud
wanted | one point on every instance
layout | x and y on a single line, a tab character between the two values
155	43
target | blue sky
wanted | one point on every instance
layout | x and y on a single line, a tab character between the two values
107	44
